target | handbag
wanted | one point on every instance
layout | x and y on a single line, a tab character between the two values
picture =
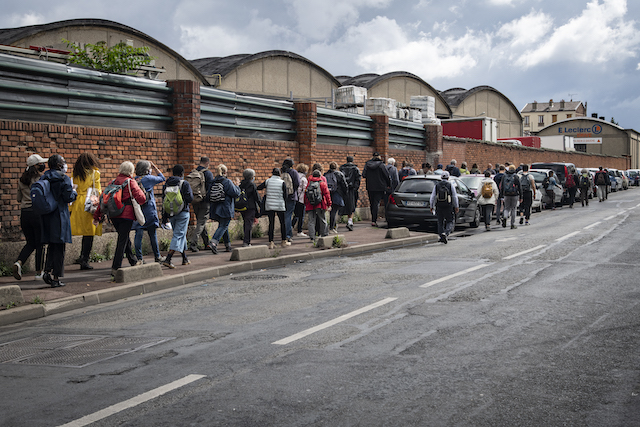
92	199
137	209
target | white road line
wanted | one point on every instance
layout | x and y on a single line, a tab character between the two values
609	218
523	252
451	276
335	321
560	239
135	401
592	225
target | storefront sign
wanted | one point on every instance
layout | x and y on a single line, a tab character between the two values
593	130
587	140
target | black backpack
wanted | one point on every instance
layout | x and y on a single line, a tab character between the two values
525	184
509	186
314	193
332	181
443	193
545	182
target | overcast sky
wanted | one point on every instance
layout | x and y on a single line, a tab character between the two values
527	49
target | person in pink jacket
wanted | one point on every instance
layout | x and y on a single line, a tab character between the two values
317	210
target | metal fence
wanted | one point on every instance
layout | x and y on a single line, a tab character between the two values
229	114
42	91
406	135
340	128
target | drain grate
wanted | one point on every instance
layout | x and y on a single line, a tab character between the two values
73	351
260	277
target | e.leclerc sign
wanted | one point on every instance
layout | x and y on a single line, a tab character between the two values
594	130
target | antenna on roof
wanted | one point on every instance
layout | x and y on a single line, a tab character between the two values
571	96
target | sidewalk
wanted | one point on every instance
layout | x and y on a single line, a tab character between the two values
90	287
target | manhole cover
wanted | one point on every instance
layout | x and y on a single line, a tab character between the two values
73	351
260	277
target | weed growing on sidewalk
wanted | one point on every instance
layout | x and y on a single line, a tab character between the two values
5	270
164	244
339	242
37	300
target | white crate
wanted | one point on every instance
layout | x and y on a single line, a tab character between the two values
425	103
431	121
386	106
415	115
355	110
351	95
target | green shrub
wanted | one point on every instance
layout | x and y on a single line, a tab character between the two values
164	244
5	270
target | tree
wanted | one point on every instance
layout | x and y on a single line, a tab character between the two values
121	58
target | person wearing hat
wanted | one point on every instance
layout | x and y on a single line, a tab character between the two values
378	182
444	199
30	220
56	226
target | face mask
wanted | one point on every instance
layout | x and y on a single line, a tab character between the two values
64	168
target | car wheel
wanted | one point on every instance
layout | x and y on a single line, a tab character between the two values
476	219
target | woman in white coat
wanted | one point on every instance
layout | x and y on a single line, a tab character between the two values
487	195
274	204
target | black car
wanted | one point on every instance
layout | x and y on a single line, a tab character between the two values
409	204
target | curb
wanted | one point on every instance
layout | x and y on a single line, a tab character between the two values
36	311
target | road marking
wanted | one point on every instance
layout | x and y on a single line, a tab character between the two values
523	252
333	322
560	239
592	225
507	239
135	401
609	218
451	276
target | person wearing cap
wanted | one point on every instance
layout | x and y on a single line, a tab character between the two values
378	181
56	226
439	169
352	176
30	220
444	199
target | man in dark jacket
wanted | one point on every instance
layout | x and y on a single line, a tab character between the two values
378	181
395	179
287	167
352	176
201	208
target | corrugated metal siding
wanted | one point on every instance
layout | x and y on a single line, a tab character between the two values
228	114
406	135
340	128
42	91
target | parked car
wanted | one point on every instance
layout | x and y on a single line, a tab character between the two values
560	170
616	181
623	177
409	203
634	177
539	175
536	203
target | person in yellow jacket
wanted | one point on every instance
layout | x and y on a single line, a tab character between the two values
86	175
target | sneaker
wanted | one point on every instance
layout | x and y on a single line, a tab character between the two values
185	261
521	220
17	270
161	259
39	276
56	284
513	226
272	245
168	264
246	245
228	249
112	279
350	227
374	224
444	239
85	266
46	276
140	262
334	231
214	249
284	244
526	223
504	222
301	234
194	249
487	227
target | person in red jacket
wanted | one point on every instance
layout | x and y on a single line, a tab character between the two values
318	210
124	221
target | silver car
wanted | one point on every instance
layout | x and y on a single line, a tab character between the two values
539	175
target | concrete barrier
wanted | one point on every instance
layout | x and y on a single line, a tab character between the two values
10	293
397	233
250	253
326	242
138	273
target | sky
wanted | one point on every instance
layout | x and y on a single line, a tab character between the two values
528	50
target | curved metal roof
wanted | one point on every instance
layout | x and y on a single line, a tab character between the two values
589	119
455	96
11	35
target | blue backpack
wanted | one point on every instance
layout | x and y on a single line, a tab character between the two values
42	199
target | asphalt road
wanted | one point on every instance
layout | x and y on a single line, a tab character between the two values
527	327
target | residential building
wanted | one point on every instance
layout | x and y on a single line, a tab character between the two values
537	116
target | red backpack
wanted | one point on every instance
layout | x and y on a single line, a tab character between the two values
570	181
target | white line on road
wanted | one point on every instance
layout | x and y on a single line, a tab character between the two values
135	401
592	225
451	276
335	321
560	239
609	218
524	252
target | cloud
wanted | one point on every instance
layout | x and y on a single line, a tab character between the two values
23	20
527	30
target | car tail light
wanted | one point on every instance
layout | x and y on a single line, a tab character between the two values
392	200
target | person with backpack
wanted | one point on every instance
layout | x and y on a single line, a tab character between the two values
274	204
116	203
500	202
528	186
147	181
176	197
200	179
222	197
29	218
56	224
248	186
453	169
585	186
317	200
444	199
600	180
571	183
292	180
298	214
352	176
487	197
86	175
378	182
511	190
337	189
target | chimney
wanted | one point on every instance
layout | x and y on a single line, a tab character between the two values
594	115
562	104
534	106
551	103
601	118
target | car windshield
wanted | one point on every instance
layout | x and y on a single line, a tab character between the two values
472	181
538	176
633	173
416	186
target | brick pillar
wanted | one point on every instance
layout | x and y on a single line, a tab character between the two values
186	121
433	139
381	135
306	116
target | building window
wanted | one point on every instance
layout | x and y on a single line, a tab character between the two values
554	118
526	120
580	147
569	116
540	120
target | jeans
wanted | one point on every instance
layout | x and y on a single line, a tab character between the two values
180	224
222	232
290	205
499	205
201	211
30	223
123	246
374	200
153	239
317	214
272	225
486	211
